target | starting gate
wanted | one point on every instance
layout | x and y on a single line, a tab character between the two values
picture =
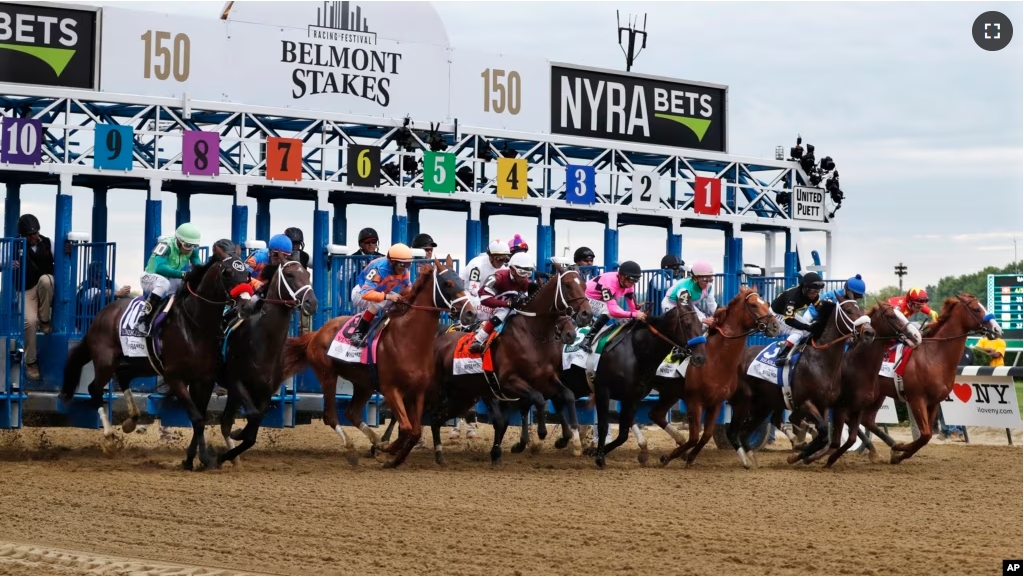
93	266
12	326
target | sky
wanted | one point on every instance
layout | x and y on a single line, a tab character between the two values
926	128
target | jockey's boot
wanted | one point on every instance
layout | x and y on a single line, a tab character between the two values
784	350
481	338
358	338
595	328
152	303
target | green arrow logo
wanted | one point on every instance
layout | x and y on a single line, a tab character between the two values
56	58
699	126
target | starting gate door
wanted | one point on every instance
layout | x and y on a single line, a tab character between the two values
12	326
93	268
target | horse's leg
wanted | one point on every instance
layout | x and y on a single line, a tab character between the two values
602	397
435	435
253	418
839	422
180	390
853	422
128	425
694	409
523	405
709	428
227	421
924	416
415	431
397	404
569	400
500	424
659	414
821	438
563	422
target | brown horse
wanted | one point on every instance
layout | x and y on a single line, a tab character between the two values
404	365
191	338
859	377
252	364
815	379
527	358
931	370
710	385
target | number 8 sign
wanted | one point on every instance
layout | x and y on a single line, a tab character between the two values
200	153
22	141
579	184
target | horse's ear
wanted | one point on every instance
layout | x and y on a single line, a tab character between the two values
448	262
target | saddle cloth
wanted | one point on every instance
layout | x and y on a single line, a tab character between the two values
467	363
574	355
670	370
133	343
893	365
342	348
763	367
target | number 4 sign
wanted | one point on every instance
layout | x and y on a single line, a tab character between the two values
512	178
438	172
646	190
22	141
707	195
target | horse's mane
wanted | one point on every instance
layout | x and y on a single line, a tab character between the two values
719	314
535	287
415	287
825	311
195	276
944	316
268	272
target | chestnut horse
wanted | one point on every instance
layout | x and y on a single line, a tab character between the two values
627	367
252	364
527	358
859	377
404	364
190	339
815	380
710	385
931	370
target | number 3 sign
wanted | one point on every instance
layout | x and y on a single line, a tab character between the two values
200	153
707	195
579	184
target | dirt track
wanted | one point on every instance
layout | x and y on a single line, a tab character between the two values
296	506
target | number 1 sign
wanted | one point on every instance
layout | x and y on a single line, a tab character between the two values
707	195
200	153
21	141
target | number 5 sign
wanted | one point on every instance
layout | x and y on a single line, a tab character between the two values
707	195
579	184
438	172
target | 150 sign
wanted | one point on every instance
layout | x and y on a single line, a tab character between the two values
502	92
164	56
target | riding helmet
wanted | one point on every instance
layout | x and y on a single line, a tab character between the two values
296	235
856	285
917	295
671	261
812	280
28	224
630	269
423	241
188	233
497	247
367	234
400	252
280	243
583	253
226	245
517	245
702	268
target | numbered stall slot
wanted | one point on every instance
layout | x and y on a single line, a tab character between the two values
284	159
707	195
580	184
113	147
513	180
646	189
200	153
438	172
21	141
363	166
166	57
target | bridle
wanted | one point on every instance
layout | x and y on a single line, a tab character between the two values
842	320
901	332
686	349
561	305
982	321
295	301
760	322
220	280
446	275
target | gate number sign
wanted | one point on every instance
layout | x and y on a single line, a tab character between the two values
707	195
112	147
579	184
512	178
363	167
284	159
438	172
21	141
200	153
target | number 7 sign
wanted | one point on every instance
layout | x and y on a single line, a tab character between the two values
707	195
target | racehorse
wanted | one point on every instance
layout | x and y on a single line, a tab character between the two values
191	338
815	379
404	365
930	372
253	364
858	379
627	367
527	358
712	384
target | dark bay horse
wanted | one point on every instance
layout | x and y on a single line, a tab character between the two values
405	358
191	337
815	381
628	364
527	358
706	387
859	376
253	368
930	372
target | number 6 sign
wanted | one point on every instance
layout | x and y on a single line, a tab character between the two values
22	141
707	195
579	184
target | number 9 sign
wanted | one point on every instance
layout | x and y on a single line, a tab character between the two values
112	149
22	141
579	184
200	153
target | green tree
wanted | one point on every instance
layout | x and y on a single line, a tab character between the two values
883	294
974	283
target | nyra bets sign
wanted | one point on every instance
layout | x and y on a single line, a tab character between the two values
650	110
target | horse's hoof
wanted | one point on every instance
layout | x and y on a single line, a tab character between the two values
576	449
562	443
186	465
496	462
894	458
643	457
752	459
496	455
600	462
663	460
518	448
590	451
792	459
352	457
439	458
128	425
542	432
111	445
875	458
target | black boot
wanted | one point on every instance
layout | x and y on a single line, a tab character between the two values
358	338
780	361
152	304
595	328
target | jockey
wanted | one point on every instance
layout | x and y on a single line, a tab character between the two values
915	301
853	289
790	309
502	291
378	285
604	293
278	252
480	268
171	257
696	291
517	245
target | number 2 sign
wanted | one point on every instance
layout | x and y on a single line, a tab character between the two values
646	190
707	195
200	153
21	141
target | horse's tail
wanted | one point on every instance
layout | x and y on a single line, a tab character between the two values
296	356
78	357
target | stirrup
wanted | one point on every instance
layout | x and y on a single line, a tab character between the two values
781	361
477	347
357	339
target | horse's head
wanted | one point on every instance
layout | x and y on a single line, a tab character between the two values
894	325
968	315
220	279
846	318
565	293
757	314
289	285
449	290
565	330
686	330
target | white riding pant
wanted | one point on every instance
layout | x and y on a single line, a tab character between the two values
360	304
599	307
792	335
159	284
